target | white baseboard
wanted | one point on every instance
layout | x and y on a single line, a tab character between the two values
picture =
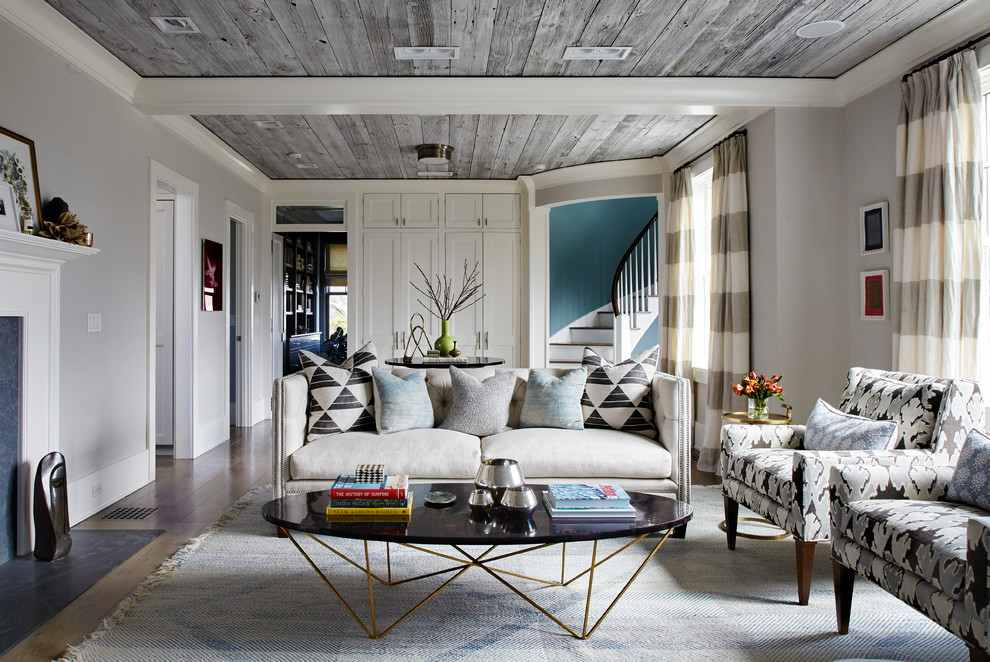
210	434
91	494
260	410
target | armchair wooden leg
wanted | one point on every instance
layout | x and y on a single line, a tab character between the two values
977	655
731	521
844	579
805	552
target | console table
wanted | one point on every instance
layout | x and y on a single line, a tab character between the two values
472	362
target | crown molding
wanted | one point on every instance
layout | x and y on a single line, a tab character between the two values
206	142
707	135
58	34
965	21
590	172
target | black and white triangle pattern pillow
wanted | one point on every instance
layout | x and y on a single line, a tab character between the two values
618	396
341	397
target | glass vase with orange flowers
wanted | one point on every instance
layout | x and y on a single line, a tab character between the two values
759	389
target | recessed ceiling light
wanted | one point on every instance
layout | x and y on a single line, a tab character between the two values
175	24
268	124
435	173
306	166
427	52
820	29
294	155
597	52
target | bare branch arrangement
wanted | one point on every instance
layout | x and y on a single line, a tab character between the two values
443	302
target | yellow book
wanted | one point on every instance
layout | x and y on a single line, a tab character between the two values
336	513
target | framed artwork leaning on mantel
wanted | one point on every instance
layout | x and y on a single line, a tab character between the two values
19	170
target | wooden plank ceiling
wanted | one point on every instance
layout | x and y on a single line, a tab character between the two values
707	38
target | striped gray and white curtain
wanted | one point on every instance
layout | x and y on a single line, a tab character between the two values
728	346
936	242
677	313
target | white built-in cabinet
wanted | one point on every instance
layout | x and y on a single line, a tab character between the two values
491	327
401	210
492	211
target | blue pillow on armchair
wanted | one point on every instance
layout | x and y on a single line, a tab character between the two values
970	483
829	429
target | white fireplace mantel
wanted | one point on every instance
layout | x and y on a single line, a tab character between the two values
30	290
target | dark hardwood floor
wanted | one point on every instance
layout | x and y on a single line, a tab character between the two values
188	494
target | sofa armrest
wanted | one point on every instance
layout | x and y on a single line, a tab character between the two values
976	592
290	401
736	437
859	482
673	417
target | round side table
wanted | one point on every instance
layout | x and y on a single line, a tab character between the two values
743	418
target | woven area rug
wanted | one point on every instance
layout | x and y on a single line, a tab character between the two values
240	593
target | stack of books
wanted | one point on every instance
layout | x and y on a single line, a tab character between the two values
385	500
583	501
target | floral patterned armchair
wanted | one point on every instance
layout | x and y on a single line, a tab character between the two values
892	525
766	469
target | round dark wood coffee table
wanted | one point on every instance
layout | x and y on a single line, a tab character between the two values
454	525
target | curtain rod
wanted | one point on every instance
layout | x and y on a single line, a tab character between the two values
955	51
738	132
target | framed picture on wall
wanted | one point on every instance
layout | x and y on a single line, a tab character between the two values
19	169
874	228
212	275
10	218
874	291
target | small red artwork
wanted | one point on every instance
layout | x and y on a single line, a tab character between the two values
212	275
874	294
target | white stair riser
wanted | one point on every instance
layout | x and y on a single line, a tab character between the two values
600	336
576	352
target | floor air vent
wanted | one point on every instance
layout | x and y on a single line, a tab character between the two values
130	513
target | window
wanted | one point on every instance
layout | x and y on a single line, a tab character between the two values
335	287
984	367
701	210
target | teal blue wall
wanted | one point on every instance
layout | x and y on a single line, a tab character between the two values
587	240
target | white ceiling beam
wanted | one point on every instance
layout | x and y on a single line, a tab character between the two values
452	95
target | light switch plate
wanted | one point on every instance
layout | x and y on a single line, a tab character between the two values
94	323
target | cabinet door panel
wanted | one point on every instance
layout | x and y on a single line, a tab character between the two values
423	249
463	210
467	325
381	210
421	210
501	211
501	302
381	269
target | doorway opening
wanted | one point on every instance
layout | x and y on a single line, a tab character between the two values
164	231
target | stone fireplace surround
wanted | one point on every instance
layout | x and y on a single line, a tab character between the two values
30	269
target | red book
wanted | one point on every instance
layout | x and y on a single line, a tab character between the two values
393	487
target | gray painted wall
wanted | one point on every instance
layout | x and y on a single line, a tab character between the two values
94	151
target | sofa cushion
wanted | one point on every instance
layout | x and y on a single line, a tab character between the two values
770	471
914	407
970	483
553	402
589	452
479	407
420	453
340	396
618	396
829	429
927	538
401	403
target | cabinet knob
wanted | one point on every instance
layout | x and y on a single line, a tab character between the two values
486	221
396	221
479	222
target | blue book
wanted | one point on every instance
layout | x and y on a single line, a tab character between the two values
583	495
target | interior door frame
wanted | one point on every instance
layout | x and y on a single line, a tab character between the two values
170	427
245	300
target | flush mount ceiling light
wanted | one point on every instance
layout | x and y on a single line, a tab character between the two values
427	52
268	124
294	155
434	153
440	174
597	52
820	29
175	24
306	166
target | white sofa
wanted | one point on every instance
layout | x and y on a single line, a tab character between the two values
660	465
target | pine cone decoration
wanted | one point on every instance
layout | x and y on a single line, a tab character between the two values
67	228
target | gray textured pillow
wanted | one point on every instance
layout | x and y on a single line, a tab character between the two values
479	408
829	429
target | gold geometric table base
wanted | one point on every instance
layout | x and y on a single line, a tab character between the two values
756	536
480	561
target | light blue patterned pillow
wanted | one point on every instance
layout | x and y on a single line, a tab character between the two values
970	483
829	429
553	402
401	403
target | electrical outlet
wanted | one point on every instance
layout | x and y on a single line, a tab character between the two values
94	323
97	490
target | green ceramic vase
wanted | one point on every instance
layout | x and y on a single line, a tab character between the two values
445	342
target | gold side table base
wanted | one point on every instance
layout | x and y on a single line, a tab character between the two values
756	536
479	561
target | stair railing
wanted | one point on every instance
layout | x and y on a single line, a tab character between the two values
636	277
